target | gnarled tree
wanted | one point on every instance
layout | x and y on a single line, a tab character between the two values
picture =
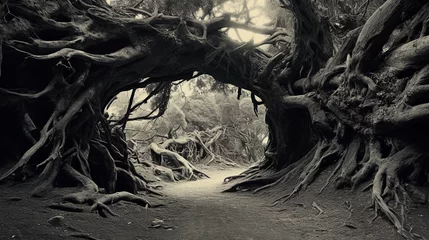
361	108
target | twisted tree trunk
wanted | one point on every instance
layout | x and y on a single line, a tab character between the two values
361	109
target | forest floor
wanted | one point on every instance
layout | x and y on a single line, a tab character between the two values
198	210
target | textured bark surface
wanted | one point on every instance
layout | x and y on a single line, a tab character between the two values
361	109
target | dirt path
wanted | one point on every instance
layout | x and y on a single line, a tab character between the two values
194	210
202	212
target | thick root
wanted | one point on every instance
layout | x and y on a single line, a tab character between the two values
357	162
387	186
89	188
361	85
320	158
100	203
89	193
189	171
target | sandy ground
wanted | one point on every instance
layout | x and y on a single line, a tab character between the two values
197	210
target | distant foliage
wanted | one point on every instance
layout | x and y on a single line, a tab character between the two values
201	112
198	106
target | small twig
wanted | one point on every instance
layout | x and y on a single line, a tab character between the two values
350	225
350	209
314	205
374	218
365	5
138	4
300	205
83	236
14	199
367	187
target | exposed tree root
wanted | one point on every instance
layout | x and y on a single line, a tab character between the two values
188	170
89	195
386	184
200	147
89	188
100	203
179	154
360	84
268	179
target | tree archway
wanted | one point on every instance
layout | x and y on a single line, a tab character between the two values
360	108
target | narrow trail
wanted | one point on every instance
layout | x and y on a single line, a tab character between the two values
195	210
202	212
199	210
